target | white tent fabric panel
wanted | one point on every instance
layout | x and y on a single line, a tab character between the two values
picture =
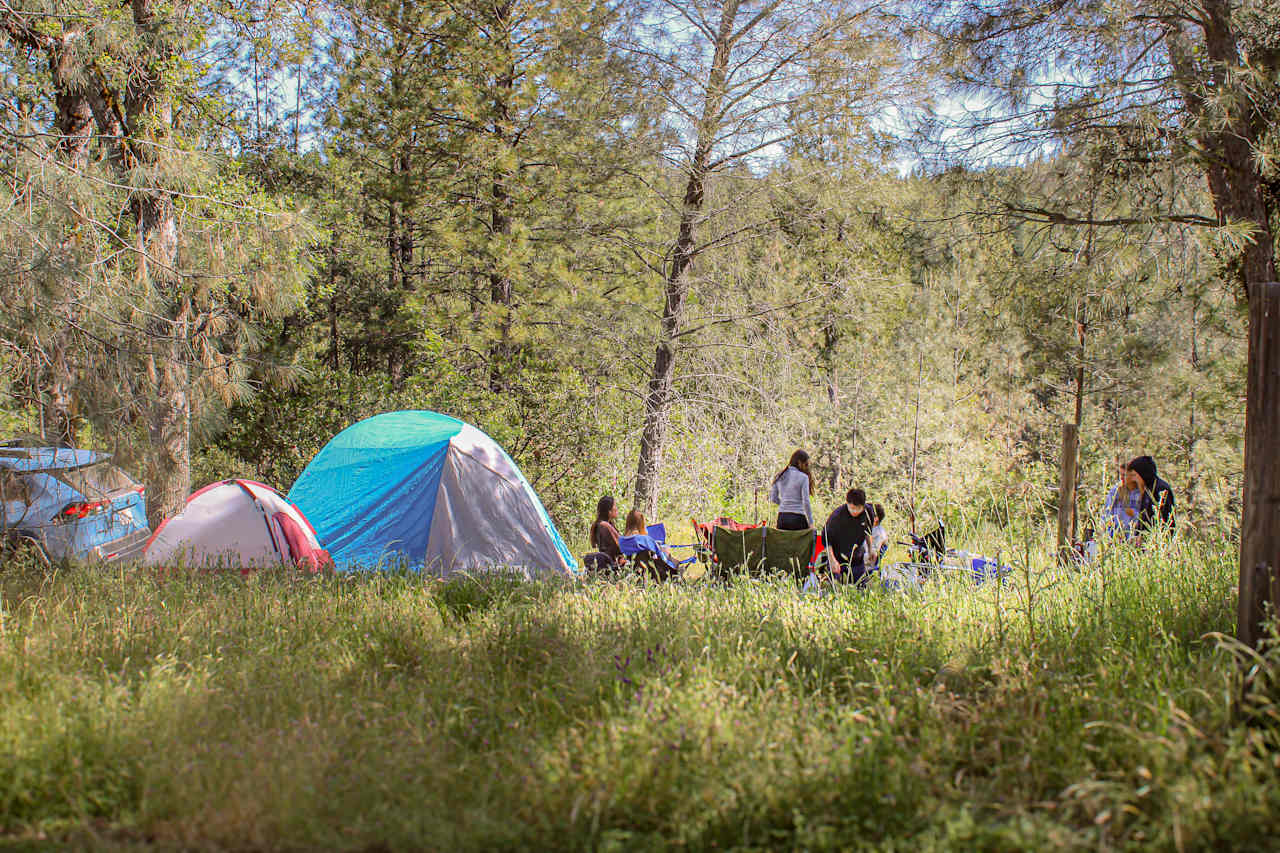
220	528
485	516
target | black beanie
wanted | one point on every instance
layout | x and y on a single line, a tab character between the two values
1145	467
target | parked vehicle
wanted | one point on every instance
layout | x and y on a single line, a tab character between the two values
73	505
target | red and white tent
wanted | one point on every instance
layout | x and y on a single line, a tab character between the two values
236	524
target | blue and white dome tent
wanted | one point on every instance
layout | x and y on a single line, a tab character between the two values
428	490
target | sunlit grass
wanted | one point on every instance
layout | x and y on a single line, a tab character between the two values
1062	709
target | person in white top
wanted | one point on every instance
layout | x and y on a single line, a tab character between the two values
1123	504
790	490
878	537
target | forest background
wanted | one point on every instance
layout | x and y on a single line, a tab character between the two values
649	247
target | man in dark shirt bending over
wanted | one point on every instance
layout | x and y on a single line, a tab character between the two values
847	536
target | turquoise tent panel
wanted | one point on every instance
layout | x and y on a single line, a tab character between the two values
381	438
429	490
371	492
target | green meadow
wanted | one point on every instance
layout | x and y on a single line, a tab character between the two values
1062	710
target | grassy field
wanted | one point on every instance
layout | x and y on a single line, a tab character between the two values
1064	711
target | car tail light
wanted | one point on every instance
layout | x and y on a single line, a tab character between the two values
82	509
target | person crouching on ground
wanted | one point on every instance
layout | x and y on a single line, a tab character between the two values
1156	509
603	536
847	535
790	490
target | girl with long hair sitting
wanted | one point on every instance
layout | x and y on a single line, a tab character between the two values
604	537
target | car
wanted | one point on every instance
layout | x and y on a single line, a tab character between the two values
72	505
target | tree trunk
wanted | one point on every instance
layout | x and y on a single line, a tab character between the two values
1235	182
1082	330
831	342
657	402
1193	474
1066	490
169	424
501	287
1260	524
1082	337
1239	196
915	438
501	292
73	126
397	285
297	108
1260	516
837	454
334	335
140	143
399	262
74	122
60	406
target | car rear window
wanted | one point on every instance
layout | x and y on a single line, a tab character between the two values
97	481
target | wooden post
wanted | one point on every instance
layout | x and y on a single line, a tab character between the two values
1260	524
915	442
1067	491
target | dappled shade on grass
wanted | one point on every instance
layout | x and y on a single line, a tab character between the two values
1060	710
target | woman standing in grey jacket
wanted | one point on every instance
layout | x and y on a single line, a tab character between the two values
790	491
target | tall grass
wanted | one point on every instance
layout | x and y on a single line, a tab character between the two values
1064	709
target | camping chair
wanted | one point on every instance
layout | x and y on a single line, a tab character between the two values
816	571
704	533
927	552
925	555
984	569
645	554
762	550
818	560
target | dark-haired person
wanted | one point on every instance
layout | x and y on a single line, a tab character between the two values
847	535
1156	506
790	490
604	537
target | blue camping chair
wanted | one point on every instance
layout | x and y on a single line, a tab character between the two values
646	555
984	569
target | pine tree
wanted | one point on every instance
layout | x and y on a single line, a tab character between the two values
162	309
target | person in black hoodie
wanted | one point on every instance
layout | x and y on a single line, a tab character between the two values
1157	497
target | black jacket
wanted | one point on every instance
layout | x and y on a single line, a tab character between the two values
1157	503
1157	496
